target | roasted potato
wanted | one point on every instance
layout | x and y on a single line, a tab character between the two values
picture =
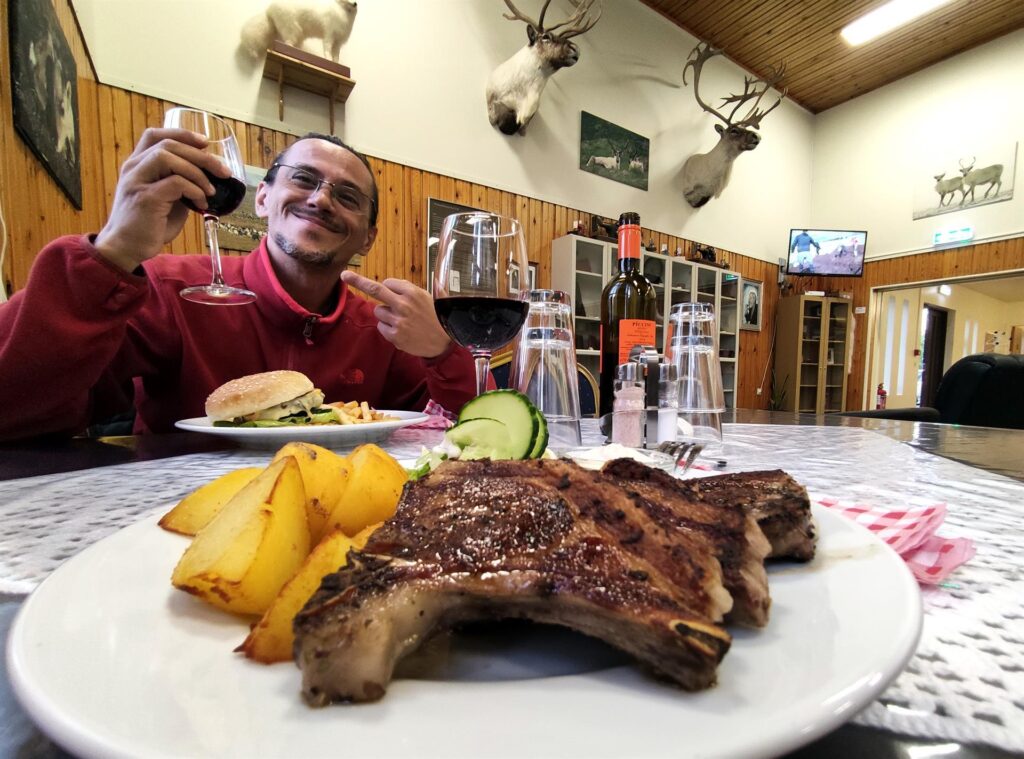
374	484
324	477
196	509
272	638
240	561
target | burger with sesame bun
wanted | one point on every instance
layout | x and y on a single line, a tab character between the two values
269	399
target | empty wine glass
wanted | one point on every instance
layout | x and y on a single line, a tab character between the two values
480	284
228	194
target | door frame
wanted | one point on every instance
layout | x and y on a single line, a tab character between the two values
874	301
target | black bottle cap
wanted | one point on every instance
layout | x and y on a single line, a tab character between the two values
629	217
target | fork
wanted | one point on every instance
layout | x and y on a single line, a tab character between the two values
685	453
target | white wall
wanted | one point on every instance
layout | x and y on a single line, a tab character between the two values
869	152
421	67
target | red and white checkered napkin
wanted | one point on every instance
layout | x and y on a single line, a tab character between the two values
439	418
911	533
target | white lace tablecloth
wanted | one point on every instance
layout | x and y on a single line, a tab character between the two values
965	683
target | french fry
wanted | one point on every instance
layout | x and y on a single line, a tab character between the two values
358	412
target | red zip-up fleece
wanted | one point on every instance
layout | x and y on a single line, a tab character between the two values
82	330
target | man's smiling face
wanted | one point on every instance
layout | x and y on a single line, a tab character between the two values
312	228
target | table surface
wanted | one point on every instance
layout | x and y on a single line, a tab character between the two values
996	451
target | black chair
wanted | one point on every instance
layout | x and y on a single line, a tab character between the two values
983	390
501	366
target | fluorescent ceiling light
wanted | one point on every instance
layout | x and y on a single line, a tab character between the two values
887	17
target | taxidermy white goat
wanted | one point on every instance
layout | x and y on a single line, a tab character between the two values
514	87
294	21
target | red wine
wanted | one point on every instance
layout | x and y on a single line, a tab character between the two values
227	195
629	309
481	324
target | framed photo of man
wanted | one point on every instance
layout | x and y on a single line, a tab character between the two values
750	305
44	92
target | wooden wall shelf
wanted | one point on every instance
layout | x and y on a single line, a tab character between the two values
297	68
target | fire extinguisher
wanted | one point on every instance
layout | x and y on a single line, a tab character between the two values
880	396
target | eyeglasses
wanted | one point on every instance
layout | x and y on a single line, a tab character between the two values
309	182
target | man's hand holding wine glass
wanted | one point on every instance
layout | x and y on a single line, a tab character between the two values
166	166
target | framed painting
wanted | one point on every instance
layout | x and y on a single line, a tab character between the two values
608	150
437	210
44	92
750	305
242	229
963	177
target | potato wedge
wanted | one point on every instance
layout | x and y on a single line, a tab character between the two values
240	561
324	478
195	510
271	639
374	486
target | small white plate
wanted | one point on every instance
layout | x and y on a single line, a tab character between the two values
109	660
327	435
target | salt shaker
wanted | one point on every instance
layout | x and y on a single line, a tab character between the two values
668	402
628	406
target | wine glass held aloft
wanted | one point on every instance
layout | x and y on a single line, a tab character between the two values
480	284
228	194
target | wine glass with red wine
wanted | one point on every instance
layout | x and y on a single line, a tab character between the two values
228	194
481	284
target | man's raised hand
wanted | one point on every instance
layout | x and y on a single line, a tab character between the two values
405	315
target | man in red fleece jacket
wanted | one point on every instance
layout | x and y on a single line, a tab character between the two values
101	313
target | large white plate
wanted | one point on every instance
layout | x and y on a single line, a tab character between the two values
110	661
322	434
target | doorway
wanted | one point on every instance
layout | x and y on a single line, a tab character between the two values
933	353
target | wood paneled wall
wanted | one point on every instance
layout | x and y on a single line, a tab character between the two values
111	121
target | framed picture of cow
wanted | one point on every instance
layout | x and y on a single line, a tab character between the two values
44	92
608	150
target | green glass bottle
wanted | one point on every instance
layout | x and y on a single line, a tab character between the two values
629	309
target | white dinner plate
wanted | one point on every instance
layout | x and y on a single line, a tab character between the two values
327	435
111	661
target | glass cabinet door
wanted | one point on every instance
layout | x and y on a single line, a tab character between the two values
707	285
835	355
812	325
590	270
656	269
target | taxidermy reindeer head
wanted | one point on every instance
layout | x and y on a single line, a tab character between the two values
705	175
294	22
514	88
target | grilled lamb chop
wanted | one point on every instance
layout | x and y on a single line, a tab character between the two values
778	502
726	530
541	540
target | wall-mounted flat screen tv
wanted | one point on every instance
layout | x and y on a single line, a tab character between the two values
826	252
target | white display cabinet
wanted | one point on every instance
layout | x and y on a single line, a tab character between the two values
581	266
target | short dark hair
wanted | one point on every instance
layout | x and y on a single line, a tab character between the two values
374	198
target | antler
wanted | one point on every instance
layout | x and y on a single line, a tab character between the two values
578	23
518	15
704	52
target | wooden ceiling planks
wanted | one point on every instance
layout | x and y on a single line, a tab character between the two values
822	71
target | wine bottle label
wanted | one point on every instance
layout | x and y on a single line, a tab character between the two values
634	332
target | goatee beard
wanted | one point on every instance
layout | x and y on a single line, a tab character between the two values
305	255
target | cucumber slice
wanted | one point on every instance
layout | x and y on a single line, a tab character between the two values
515	410
481	439
541	443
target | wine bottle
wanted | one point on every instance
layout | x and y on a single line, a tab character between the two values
628	309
